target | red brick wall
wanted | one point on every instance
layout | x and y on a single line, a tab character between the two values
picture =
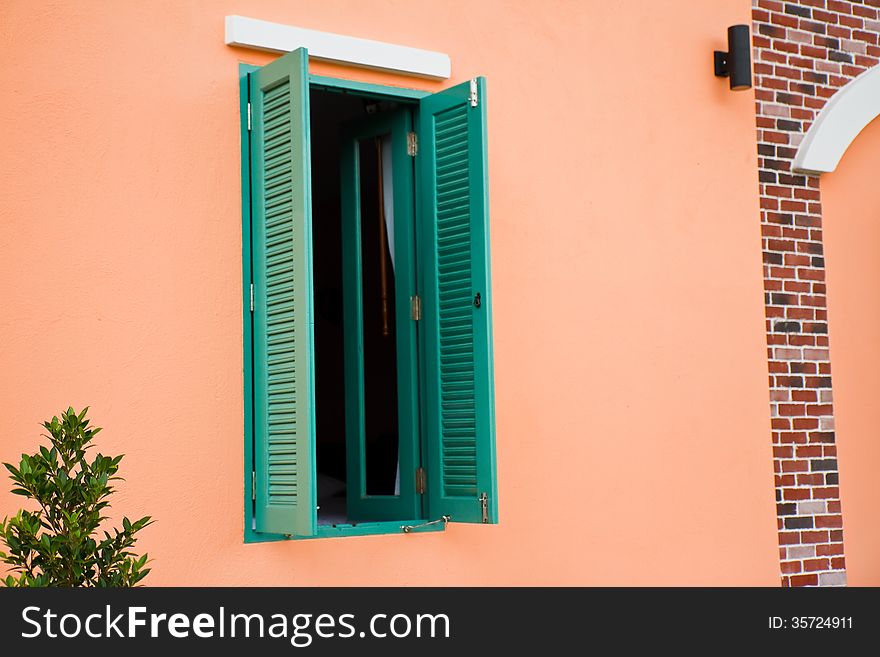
804	51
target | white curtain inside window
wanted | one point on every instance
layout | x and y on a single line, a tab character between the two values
388	194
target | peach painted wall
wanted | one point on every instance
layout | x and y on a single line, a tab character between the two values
632	410
851	231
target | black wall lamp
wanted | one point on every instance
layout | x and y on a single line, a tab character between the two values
736	63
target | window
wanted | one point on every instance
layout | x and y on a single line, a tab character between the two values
368	347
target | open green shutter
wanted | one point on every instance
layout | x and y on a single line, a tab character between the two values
284	430
454	244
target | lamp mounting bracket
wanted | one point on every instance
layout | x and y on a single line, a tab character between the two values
721	69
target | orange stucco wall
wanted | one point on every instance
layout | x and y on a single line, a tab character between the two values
851	227
632	411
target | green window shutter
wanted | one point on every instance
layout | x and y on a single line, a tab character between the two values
454	245
284	431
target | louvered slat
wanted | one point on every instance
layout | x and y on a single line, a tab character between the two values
457	413
280	308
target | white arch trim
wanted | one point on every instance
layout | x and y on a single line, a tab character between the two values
844	116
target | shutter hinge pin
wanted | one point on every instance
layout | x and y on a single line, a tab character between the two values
484	507
415	307
252	297
412	144
472	97
249	116
421	481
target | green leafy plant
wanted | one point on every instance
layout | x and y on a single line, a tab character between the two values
60	545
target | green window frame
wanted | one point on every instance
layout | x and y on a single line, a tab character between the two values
453	378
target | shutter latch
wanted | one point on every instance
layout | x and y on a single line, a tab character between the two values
484	507
407	529
252	297
249	116
254	485
421	481
412	144
472	97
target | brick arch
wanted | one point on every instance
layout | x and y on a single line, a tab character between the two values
805	51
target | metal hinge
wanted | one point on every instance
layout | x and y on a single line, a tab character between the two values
252	297
412	144
484	507
421	481
249	116
472	97
415	307
254	485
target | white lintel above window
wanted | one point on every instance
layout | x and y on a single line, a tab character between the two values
277	37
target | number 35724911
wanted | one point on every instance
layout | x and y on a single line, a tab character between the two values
810	623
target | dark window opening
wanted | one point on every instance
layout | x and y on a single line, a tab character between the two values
330	111
379	322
